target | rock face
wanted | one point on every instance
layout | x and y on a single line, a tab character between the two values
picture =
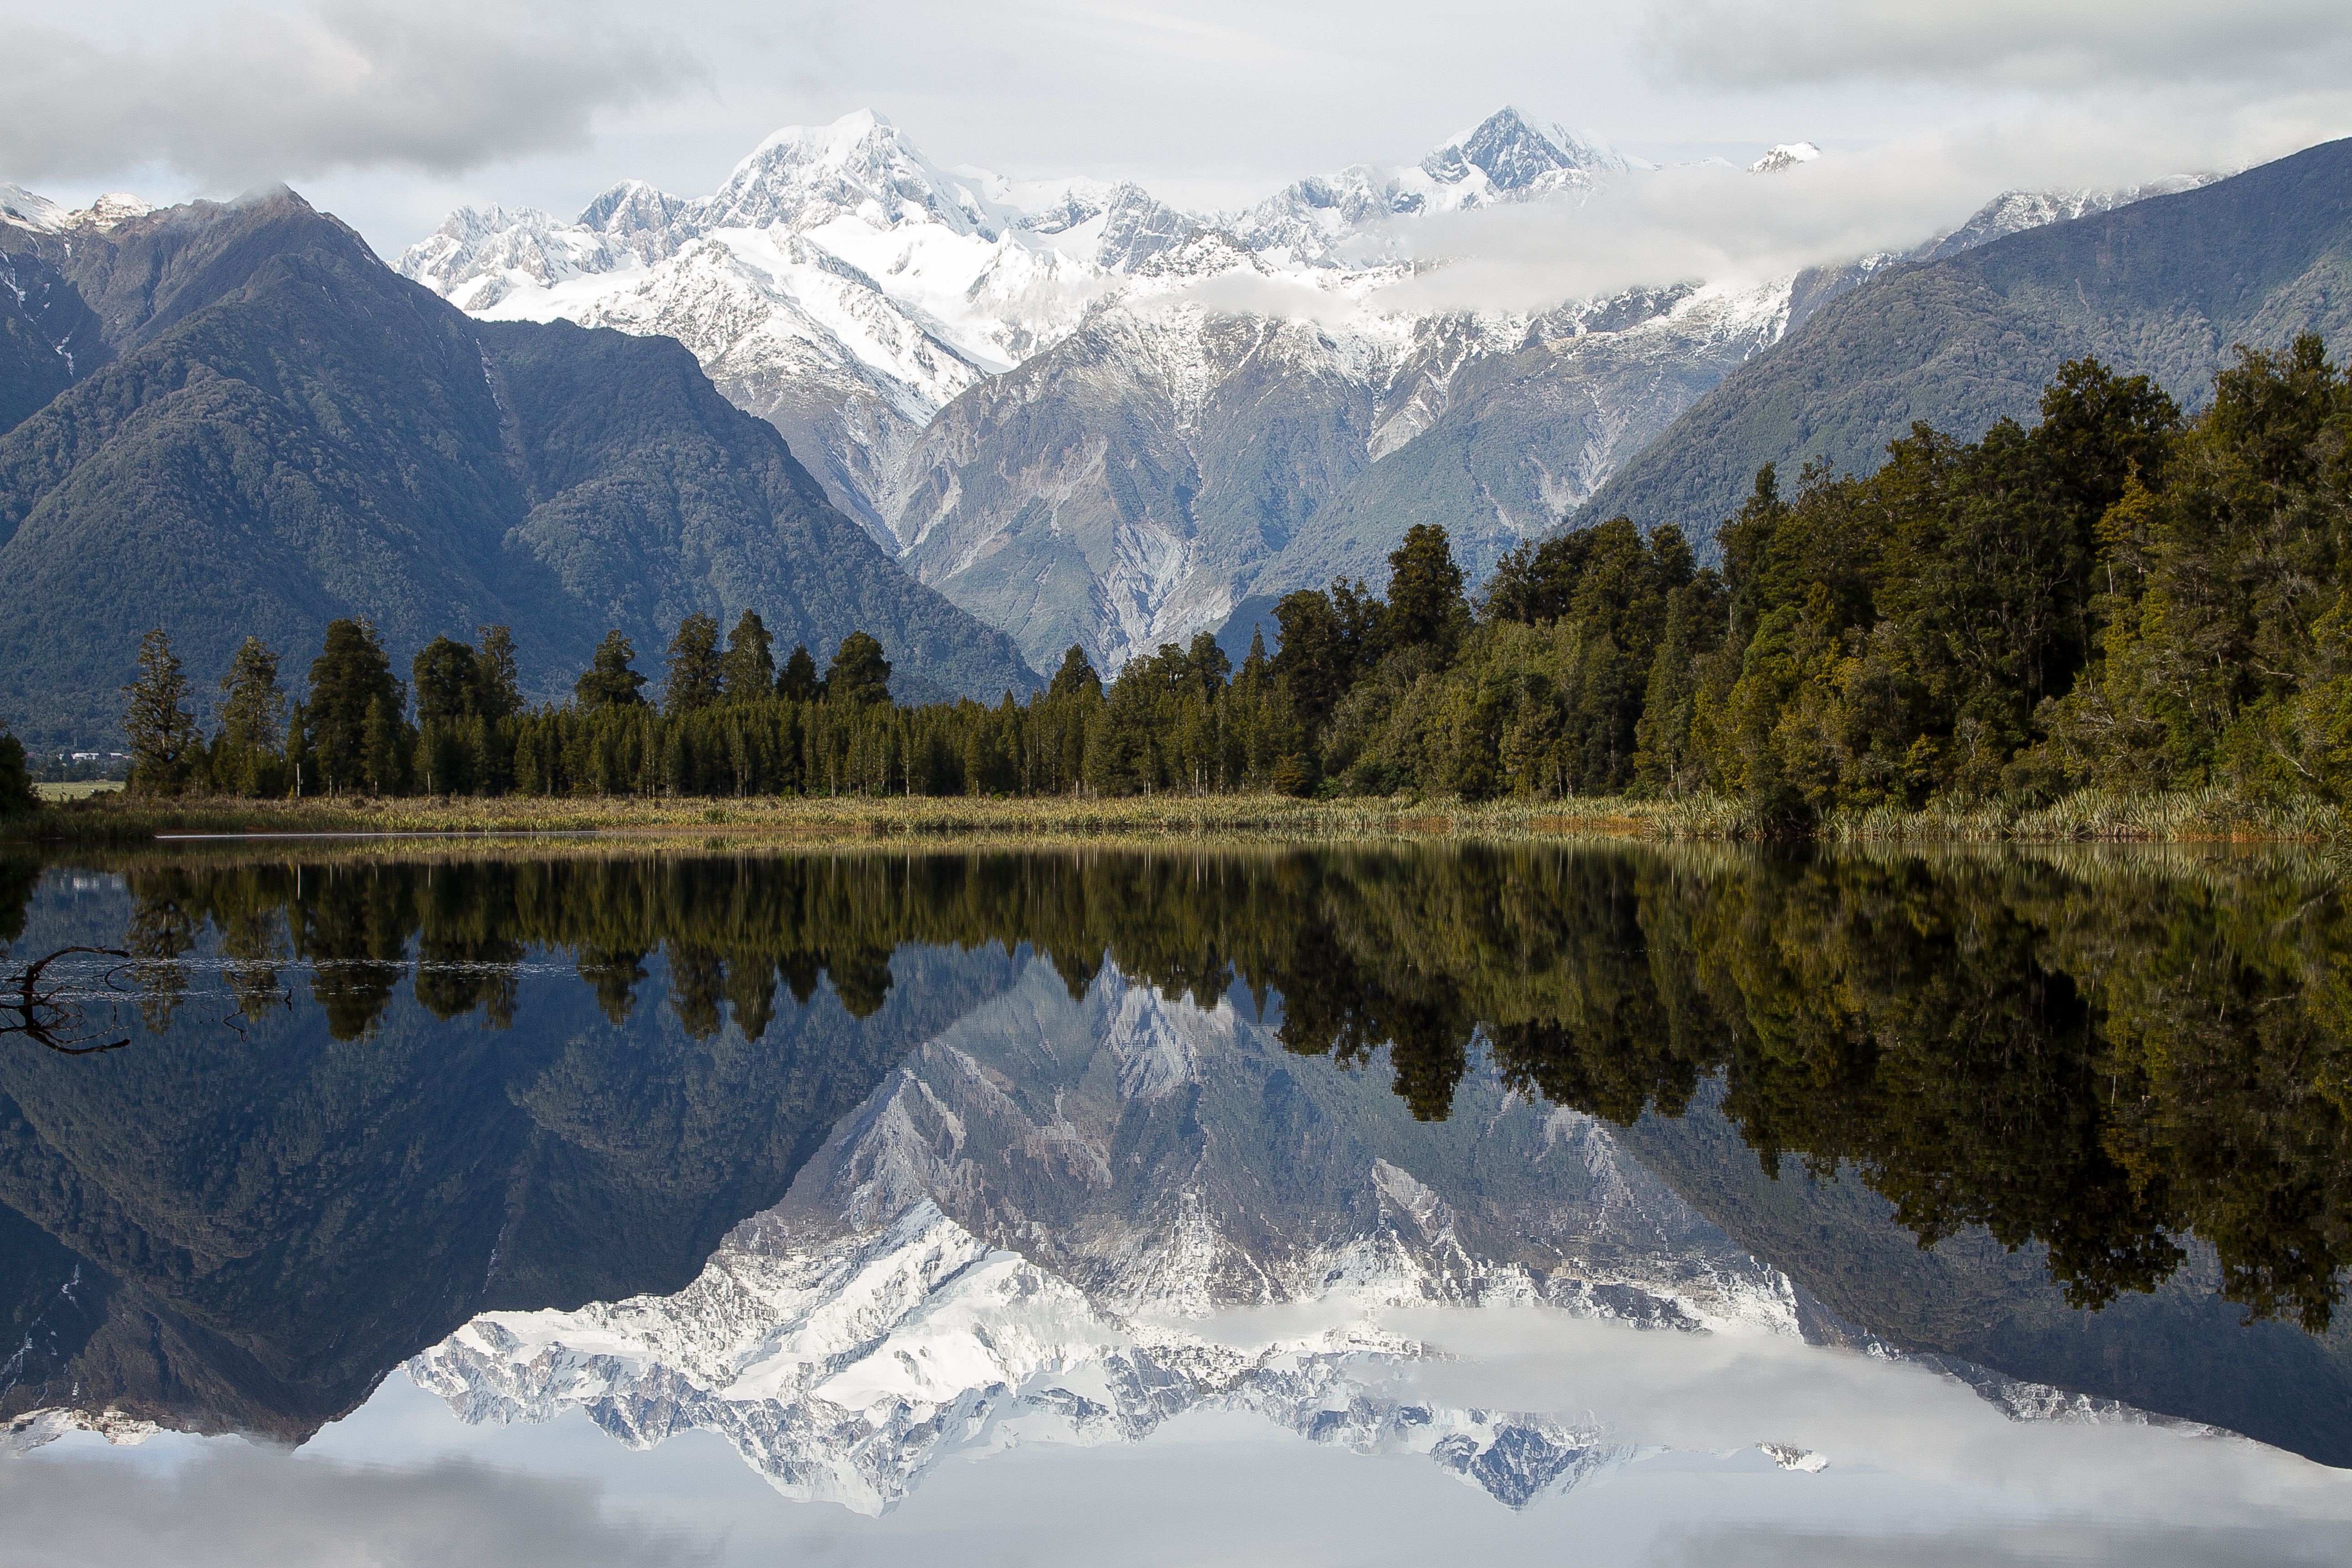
1089	417
1023	1235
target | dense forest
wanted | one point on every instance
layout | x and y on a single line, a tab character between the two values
2098	1061
2118	596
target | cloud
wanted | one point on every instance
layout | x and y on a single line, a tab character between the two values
1718	225
233	1504
1775	44
248	94
1993	1546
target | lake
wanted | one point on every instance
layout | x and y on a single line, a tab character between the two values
590	1203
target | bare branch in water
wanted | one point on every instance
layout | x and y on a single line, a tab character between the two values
42	1016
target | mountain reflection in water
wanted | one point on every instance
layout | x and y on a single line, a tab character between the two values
767	1144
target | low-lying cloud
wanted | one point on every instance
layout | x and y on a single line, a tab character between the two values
1715	223
248	95
1775	44
233	1505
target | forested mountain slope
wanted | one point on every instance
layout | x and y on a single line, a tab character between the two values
2164	288
266	428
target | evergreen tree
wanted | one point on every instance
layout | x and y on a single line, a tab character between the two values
696	675
17	793
797	680
351	680
1075	676
498	694
1425	606
448	681
859	675
747	672
246	758
610	682
155	717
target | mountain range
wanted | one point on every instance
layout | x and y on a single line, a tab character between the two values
232	419
1068	412
2166	287
1089	417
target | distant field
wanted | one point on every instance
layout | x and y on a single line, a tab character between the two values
77	791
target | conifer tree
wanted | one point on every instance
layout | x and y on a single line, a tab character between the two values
747	672
161	731
797	680
350	677
246	753
498	694
696	674
859	673
449	680
609	681
1425	604
17	793
1075	676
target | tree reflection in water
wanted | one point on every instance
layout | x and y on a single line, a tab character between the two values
2100	1055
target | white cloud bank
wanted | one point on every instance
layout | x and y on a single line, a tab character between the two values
238	96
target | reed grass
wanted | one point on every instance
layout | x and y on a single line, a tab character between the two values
2086	817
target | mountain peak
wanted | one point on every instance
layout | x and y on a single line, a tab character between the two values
1787	155
1516	153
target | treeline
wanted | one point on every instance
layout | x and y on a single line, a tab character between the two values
2101	1064
2116	597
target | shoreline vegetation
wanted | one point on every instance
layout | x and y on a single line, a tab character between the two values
2124	624
2208	816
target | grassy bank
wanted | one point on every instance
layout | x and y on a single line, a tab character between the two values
2086	817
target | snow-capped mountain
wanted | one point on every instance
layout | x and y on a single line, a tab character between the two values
1090	417
27	210
1039	1229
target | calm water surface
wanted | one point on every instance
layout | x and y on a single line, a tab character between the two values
1611	1205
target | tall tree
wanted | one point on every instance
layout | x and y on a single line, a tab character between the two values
695	675
797	680
247	759
448	681
155	717
1425	604
350	680
499	692
1075	676
609	681
859	673
252	714
17	793
747	672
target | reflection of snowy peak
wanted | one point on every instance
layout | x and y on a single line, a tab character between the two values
1021	1234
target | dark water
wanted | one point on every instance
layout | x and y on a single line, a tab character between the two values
870	1165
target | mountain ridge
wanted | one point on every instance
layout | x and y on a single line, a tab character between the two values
279	430
866	300
2163	287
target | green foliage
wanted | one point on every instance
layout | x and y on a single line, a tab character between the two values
1425	606
355	730
155	717
17	793
611	680
247	754
696	671
859	675
798	681
747	672
1076	675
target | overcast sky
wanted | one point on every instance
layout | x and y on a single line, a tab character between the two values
389	112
